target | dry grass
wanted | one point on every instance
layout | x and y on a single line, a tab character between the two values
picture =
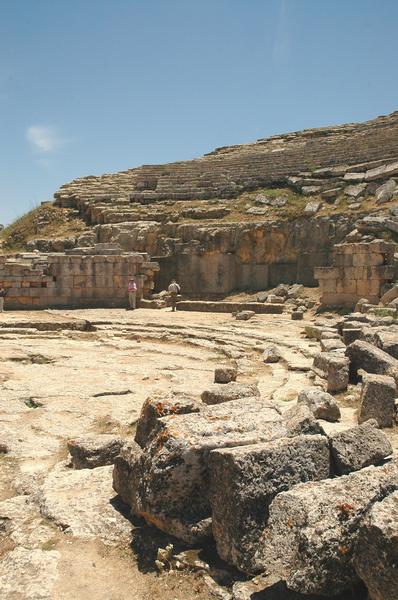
45	222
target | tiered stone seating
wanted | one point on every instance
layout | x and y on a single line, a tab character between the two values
228	171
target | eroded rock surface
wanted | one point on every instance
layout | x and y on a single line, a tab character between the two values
313	529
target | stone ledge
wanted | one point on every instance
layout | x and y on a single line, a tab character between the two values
230	307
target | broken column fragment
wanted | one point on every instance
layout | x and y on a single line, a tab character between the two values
313	529
244	481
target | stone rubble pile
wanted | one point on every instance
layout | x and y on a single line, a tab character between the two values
276	493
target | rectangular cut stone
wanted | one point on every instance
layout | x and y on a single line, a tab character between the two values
378	400
245	480
334	368
169	484
363	355
313	530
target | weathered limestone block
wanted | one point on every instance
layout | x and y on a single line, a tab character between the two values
157	406
376	553
225	374
389	296
297	315
218	393
334	368
126	473
351	334
331	345
363	355
271	354
168	482
388	341
300	420
377	400
244	481
94	451
313	529
359	447
244	315
321	404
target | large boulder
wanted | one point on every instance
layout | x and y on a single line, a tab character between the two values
321	404
359	447
244	481
378	400
376	553
94	451
168	482
363	355
219	393
313	529
157	406
333	367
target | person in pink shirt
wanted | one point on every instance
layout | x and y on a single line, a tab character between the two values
132	290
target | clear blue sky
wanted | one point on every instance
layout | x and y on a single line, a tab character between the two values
93	86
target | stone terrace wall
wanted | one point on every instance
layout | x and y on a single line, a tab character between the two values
212	261
359	271
228	171
74	280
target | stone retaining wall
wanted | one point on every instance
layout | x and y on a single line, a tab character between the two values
74	280
358	271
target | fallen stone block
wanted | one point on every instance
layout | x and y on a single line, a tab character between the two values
224	374
359	447
244	481
376	553
158	406
218	393
359	305
94	451
271	354
168	482
351	334
244	315
313	530
321	404
363	355
389	296
297	315
388	342
378	400
334	368
332	344
125	472
316	331
300	420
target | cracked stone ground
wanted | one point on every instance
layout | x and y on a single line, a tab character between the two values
63	533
